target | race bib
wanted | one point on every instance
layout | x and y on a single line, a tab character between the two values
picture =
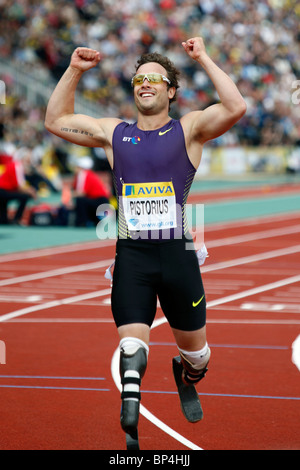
149	206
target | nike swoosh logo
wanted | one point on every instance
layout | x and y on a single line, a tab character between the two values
163	133
197	303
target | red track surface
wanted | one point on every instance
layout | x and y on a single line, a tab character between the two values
57	389
264	190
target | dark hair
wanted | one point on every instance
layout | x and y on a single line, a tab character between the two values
172	72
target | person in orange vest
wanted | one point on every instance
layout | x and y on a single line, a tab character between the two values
89	193
13	187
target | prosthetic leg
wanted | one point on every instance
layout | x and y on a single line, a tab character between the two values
188	369
133	364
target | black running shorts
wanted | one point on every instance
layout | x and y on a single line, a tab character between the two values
145	271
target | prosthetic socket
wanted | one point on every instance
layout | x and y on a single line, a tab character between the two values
195	365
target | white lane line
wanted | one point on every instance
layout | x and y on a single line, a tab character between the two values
99	244
62	320
260	220
105	263
55	272
20	299
54	303
271	233
114	365
296	352
253	322
104	292
158	322
56	250
144	411
251	259
255	290
244	321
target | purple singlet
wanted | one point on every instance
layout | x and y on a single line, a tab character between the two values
152	176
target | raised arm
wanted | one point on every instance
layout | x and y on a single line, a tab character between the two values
201	126
60	117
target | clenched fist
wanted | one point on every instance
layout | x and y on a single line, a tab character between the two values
84	59
195	48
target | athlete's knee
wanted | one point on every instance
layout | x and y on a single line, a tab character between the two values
133	364
195	364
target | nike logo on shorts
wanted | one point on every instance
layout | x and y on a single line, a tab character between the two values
197	303
163	133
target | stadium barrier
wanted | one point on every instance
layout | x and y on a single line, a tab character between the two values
238	161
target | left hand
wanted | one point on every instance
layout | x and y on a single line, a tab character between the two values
195	48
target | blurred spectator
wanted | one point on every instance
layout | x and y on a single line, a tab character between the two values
89	193
293	162
13	188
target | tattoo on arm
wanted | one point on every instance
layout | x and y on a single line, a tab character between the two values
76	131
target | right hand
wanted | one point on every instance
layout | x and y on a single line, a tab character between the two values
84	59
195	48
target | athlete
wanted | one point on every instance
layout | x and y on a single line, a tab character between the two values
154	162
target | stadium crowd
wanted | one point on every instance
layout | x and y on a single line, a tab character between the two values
256	42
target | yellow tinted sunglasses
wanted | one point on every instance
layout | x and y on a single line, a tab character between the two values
151	77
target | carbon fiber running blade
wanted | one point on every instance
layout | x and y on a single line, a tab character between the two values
189	400
132	441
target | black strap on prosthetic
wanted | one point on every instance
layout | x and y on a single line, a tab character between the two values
194	377
131	380
190	374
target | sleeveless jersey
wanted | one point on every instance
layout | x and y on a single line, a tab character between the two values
152	175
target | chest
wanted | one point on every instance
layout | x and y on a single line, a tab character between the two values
150	155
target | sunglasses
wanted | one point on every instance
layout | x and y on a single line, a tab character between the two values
151	77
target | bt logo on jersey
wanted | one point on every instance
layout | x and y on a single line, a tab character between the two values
134	140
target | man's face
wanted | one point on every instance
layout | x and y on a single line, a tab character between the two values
152	98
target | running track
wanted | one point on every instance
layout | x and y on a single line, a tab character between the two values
59	386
